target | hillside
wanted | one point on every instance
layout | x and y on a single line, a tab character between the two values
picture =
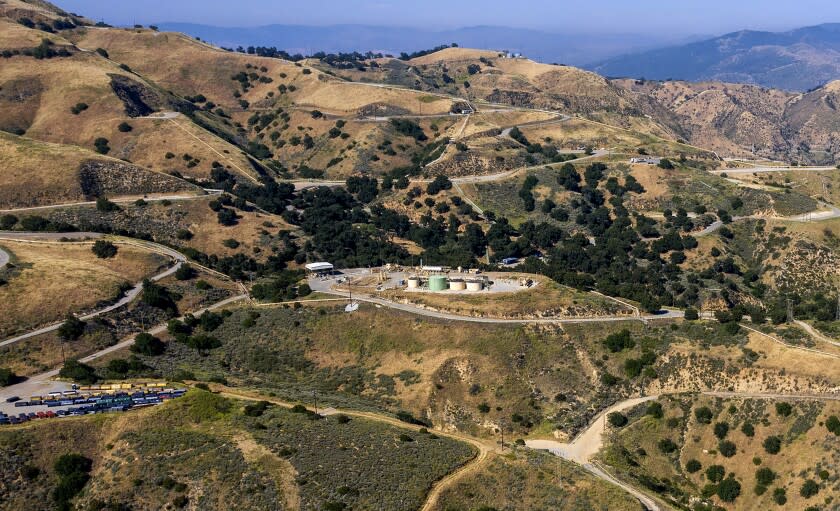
722	454
41	174
80	97
735	119
203	450
797	60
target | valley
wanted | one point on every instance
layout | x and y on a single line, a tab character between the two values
455	280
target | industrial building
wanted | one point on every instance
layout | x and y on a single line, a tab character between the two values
321	268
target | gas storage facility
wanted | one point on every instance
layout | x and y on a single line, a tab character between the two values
441	283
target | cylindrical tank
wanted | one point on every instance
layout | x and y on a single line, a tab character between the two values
475	285
437	283
457	285
413	282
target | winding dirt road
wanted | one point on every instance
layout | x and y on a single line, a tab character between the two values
43	383
583	448
128	297
483	448
209	192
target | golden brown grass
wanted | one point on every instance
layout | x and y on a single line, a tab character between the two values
39	173
55	279
546	299
59	84
208	234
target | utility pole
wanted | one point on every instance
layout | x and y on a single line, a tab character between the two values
838	308
790	318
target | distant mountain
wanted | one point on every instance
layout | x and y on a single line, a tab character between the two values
797	60
572	49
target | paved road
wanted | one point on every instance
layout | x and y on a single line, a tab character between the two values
813	332
122	200
815	216
583	448
325	286
44	383
763	170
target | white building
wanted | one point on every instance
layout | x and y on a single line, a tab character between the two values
321	268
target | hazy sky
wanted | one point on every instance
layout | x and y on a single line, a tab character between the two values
685	17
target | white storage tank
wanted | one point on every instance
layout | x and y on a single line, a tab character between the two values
414	283
475	285
457	285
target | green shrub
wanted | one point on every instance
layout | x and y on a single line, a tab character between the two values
667	446
703	415
7	222
608	379
784	409
124	127
833	425
101	145
617	419
78	372
715	473
721	430
780	496
619	341
184	234
106	206
73	474
78	108
185	272
7	377
655	410
71	329
256	409
748	429
729	489
104	249
764	476
693	466
772	444
727	448
147	344
809	489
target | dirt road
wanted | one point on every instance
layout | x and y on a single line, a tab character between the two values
43	383
483	448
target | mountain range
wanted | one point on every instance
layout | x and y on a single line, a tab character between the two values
566	48
797	60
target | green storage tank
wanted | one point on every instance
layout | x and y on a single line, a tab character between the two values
438	283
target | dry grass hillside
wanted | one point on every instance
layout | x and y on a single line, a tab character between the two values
80	98
717	450
40	174
49	280
732	118
204	451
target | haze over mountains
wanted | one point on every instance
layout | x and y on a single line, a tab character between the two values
572	49
796	60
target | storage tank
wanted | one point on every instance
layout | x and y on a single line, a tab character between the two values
475	285
457	285
413	282
437	283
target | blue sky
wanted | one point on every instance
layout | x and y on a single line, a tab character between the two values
686	17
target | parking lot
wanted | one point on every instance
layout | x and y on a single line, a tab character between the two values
74	401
